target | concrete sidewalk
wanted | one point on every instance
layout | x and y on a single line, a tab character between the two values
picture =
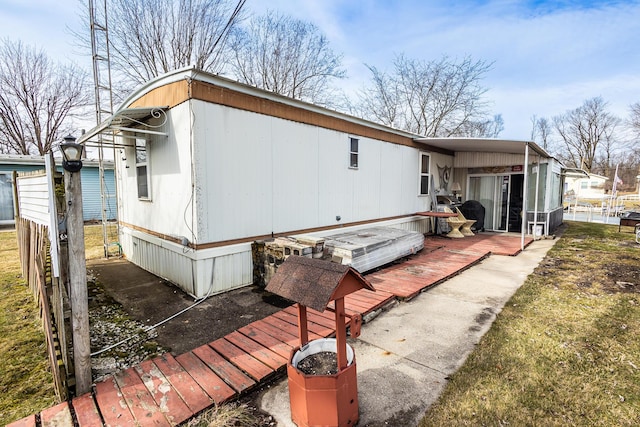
405	355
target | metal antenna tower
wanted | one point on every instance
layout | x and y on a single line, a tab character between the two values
104	109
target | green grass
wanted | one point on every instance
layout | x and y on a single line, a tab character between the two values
566	348
94	240
25	379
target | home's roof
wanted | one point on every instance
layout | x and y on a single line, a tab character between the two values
144	94
575	173
582	174
18	159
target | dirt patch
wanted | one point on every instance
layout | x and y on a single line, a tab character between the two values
321	363
623	277
596	269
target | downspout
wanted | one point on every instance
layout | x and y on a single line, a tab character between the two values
525	183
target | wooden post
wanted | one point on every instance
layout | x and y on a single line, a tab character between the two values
302	324
341	334
78	282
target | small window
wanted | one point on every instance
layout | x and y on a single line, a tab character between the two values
142	169
425	176
353	153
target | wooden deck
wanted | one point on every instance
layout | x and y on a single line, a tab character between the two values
169	390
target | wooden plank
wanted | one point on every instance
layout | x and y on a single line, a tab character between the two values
113	407
326	318
265	355
367	296
313	316
86	411
225	370
284	336
29	421
281	348
356	305
192	394
322	331
241	359
286	326
165	396
57	416
210	382
143	407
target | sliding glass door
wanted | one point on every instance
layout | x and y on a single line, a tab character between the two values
493	192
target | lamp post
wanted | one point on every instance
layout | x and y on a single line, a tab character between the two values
71	154
72	163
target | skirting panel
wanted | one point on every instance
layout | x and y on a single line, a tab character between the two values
206	272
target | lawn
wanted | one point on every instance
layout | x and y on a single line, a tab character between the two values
25	379
566	348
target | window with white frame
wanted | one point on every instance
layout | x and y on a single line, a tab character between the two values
353	152
425	176
142	169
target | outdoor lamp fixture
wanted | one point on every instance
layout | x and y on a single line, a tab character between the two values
71	154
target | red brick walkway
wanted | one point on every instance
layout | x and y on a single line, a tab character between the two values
169	390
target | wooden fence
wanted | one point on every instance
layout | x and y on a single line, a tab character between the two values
37	207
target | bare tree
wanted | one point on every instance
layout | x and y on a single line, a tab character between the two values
434	98
489	128
287	56
634	120
541	131
586	132
37	99
150	37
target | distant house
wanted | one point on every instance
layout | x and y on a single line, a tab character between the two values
91	193
206	166
586	187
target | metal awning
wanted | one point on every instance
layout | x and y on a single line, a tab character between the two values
487	145
130	120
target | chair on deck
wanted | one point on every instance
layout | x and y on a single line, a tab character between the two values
454	223
466	227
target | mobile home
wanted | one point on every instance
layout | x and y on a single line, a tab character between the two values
205	166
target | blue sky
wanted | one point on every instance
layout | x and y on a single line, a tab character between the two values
549	56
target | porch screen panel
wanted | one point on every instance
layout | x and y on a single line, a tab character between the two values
533	177
555	196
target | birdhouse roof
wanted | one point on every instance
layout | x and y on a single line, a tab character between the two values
315	282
